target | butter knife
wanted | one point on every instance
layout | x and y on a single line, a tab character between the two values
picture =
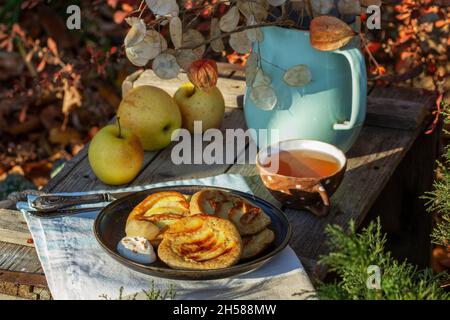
52	203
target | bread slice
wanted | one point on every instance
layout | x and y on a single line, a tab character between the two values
248	218
200	242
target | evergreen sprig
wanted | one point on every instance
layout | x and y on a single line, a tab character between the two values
351	254
439	199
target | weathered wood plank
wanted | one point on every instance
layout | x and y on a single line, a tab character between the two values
163	168
14	229
394	113
23	278
15	257
399	108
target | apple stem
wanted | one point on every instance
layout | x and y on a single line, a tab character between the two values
120	127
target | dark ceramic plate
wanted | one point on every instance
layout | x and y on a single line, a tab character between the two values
109	229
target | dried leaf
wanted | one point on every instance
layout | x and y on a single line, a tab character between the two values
51	44
329	33
193	38
186	57
240	42
148	49
298	5
350	7
261	79
72	98
217	44
176	32
366	3
137	31
276	3
164	7
298	76
255	34
129	81
165	66
251	68
257	8
322	6
230	20
264	97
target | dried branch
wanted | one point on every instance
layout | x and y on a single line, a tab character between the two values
287	23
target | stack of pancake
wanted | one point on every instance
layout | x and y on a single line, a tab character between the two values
211	229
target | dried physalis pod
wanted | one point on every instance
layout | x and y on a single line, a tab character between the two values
329	33
203	74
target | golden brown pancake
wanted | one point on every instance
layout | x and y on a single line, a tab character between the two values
151	218
254	245
248	218
201	242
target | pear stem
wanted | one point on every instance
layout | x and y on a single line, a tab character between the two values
120	127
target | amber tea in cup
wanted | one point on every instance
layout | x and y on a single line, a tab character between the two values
306	164
302	174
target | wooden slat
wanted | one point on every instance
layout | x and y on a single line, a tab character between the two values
398	108
163	169
14	229
23	278
20	258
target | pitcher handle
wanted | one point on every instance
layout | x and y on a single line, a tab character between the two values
359	86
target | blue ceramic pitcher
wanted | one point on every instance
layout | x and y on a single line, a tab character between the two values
331	108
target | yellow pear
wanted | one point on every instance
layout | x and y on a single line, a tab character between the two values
199	105
151	114
115	155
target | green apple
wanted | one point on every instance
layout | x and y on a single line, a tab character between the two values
151	114
198	105
115	155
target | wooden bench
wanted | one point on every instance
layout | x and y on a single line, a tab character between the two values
389	167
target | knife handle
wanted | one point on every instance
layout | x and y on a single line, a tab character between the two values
54	203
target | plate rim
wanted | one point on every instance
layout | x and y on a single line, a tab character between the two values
198	273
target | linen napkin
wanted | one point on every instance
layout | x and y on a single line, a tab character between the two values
76	266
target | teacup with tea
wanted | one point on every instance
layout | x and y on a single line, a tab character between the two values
302	174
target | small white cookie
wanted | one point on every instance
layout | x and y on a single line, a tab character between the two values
137	249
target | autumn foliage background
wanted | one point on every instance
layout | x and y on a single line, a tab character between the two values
58	87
